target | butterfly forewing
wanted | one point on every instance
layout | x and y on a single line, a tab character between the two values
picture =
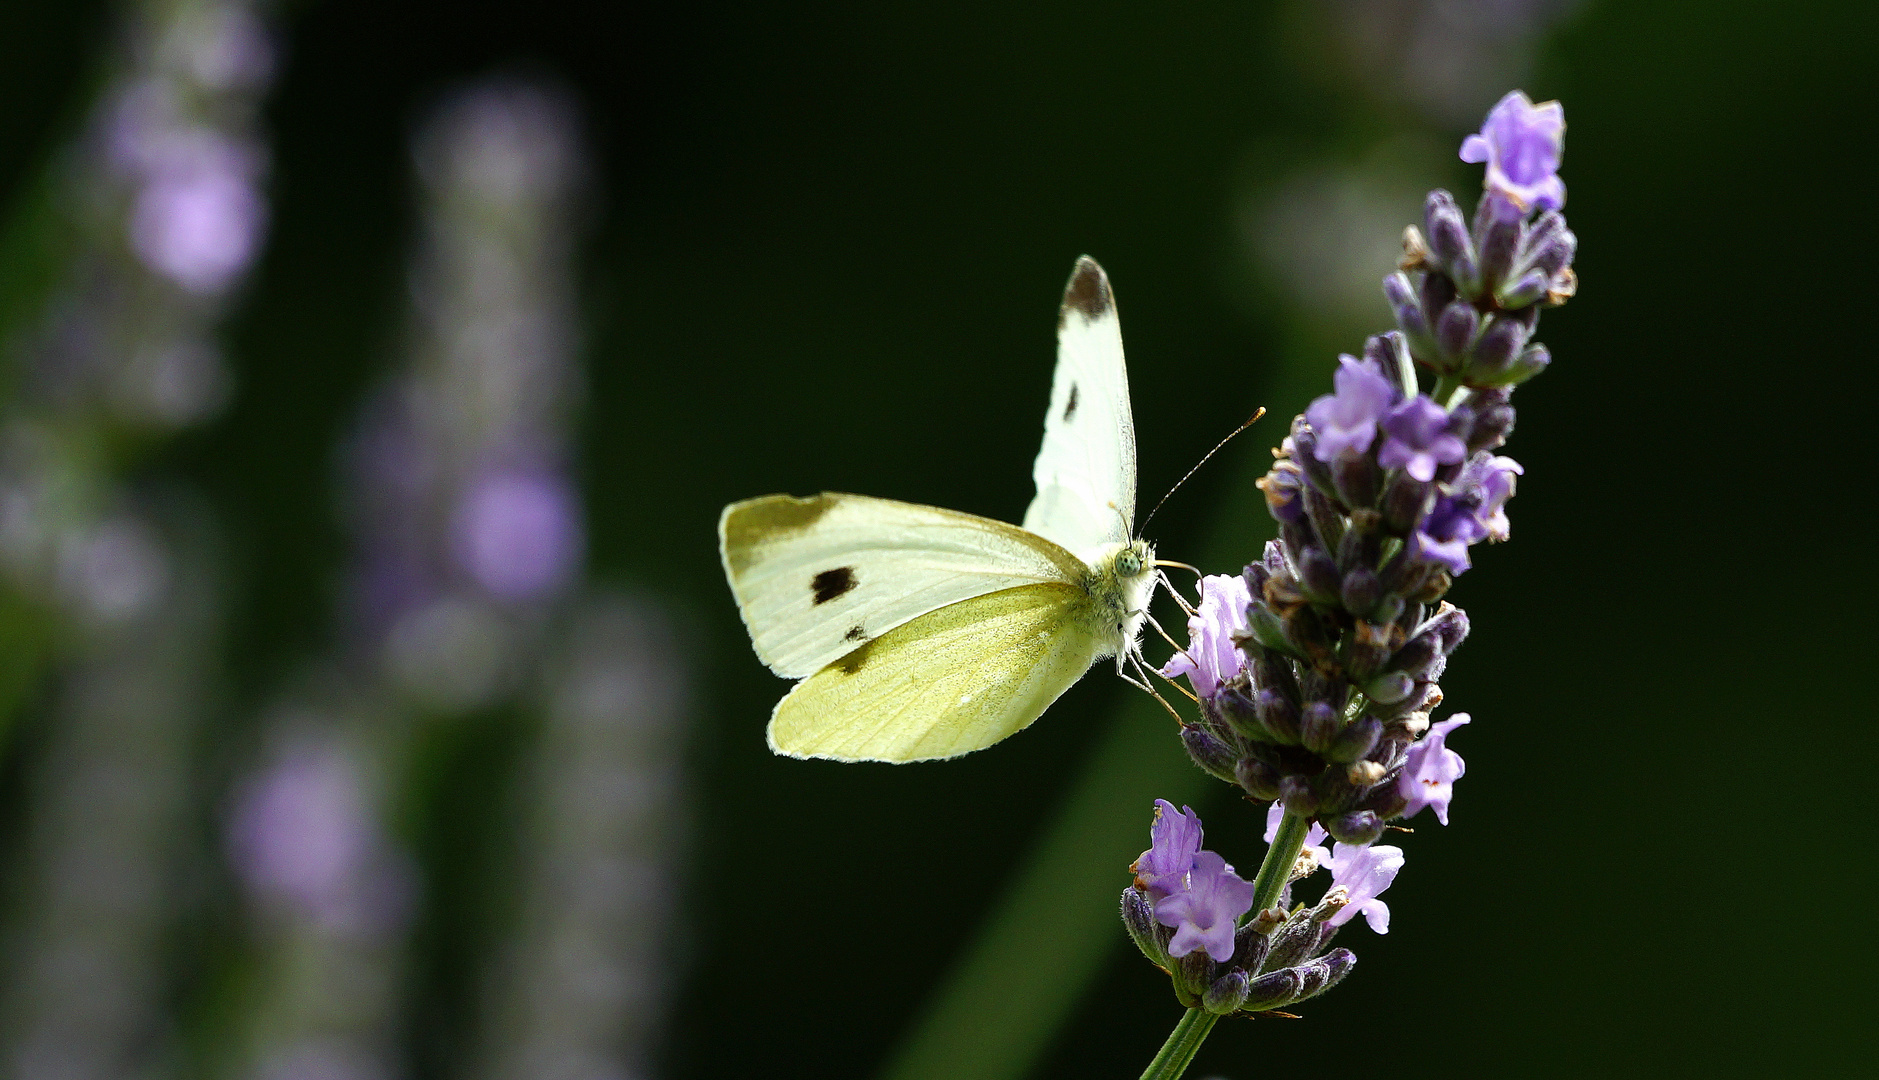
1085	471
816	578
950	682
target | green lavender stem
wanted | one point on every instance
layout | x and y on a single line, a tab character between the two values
1274	871
1183	1042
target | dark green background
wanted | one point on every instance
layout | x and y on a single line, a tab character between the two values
827	249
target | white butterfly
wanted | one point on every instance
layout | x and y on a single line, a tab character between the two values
921	633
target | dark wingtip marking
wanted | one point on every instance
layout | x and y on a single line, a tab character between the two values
1070	407
1088	292
856	633
830	584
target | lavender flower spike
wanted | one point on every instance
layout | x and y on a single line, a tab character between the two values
1364	872
1521	143
1417	439
1206	914
1431	770
1174	841
1346	422
1212	658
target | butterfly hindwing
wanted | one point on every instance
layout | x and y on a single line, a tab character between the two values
817	577
1085	471
949	682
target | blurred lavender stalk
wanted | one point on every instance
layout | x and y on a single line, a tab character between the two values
159	215
579	990
469	543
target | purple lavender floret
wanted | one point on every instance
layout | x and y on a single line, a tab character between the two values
1418	436
1212	657
1174	841
518	533
1364	872
1429	774
1472	510
1346	421
1522	143
1206	914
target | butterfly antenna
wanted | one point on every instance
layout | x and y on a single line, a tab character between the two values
1202	461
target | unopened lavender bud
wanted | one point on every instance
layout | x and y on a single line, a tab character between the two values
1138	916
1404	303
1293	941
1318	726
1434	293
1273	990
1527	365
1307	637
1449	624
1529	288
1254	938
1325	516
1232	707
1405	501
1356	480
1389	688
1360	591
1193	974
1318	573
1266	628
1455	328
1494	419
1227	993
1356	739
1295	792
1278	715
1257	778
1391	354
1305	440
1549	245
1500	343
1358	827
1312	978
1389	609
1211	753
1449	243
1498	227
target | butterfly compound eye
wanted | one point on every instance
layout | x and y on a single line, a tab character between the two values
1128	563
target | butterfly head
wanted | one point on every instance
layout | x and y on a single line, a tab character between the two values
1134	560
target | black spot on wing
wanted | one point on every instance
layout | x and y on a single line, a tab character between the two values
830	584
855	633
1070	407
856	660
1087	294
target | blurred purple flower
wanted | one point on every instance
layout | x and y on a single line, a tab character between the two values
1211	657
1417	439
1522	143
1174	840
1364	872
519	533
1346	422
1429	774
1205	914
198	216
300	832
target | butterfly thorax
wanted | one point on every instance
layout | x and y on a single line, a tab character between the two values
1121	581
